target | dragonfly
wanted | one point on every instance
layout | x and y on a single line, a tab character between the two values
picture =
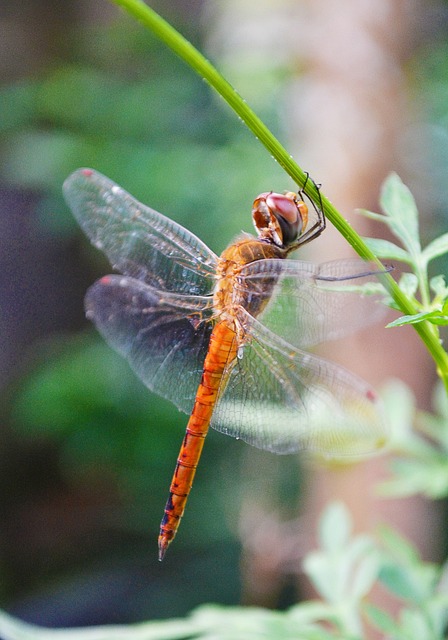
227	338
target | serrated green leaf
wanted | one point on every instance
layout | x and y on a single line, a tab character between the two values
435	317
386	250
432	316
399	322
398	204
436	248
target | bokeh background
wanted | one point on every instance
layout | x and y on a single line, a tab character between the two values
354	90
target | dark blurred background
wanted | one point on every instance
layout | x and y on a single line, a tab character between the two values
87	452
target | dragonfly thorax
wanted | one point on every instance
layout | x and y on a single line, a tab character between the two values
231	291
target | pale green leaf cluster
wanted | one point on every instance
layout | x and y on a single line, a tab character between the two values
400	215
343	571
420	585
419	442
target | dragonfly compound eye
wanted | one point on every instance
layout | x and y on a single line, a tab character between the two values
279	217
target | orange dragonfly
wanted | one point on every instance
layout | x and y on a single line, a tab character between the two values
223	337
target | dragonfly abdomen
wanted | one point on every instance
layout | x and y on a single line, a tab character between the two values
222	350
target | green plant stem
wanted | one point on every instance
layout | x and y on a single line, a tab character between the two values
185	50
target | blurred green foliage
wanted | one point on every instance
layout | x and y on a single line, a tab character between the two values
84	396
126	106
343	570
110	429
121	103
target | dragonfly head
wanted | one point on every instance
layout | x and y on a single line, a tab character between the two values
279	217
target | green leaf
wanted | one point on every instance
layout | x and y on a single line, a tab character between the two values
438	286
398	545
386	250
436	317
400	408
316	567
227	623
311	611
399	582
440	320
364	577
401	212
404	573
399	322
411	477
437	609
440	402
415	625
408	284
335	527
436	248
379	217
381	619
421	468
176	629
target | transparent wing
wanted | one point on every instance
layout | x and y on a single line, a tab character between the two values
278	398
164	336
138	241
307	303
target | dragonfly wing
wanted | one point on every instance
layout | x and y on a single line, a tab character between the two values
138	241
164	336
278	398
309	304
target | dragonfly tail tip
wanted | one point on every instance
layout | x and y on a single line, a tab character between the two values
162	549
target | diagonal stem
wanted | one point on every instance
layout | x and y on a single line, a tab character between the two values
185	50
